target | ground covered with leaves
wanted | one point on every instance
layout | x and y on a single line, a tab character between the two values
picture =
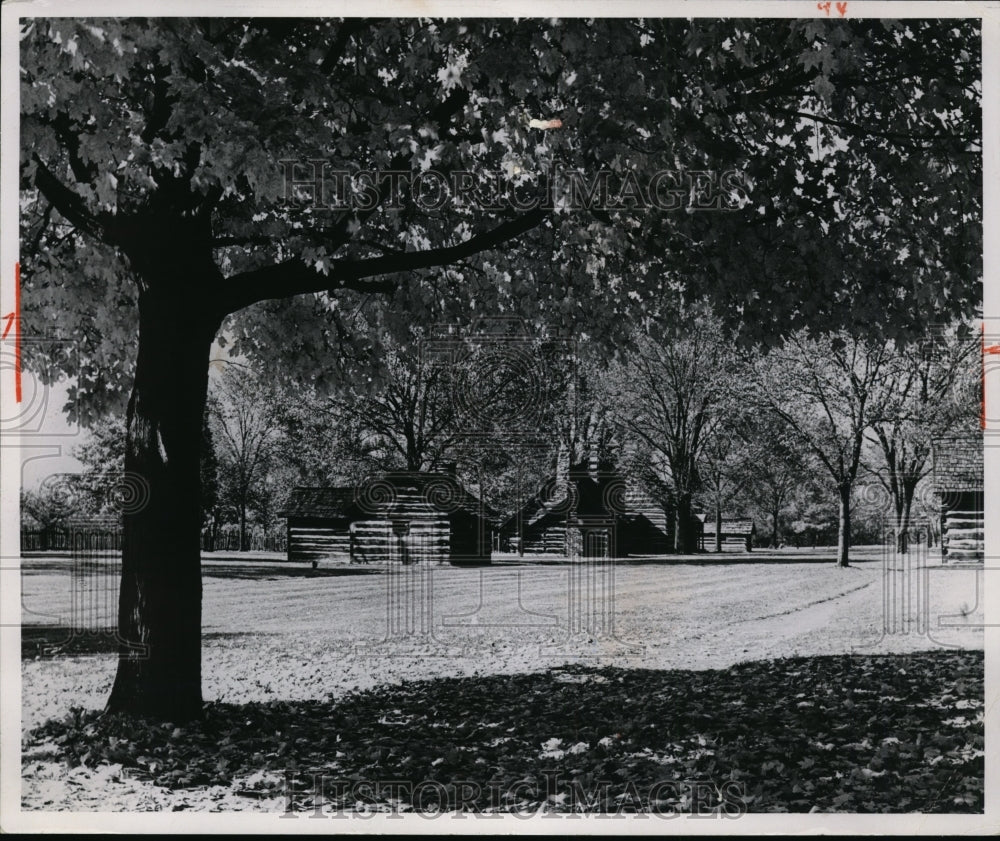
844	733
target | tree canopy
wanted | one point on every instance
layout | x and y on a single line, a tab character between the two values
853	139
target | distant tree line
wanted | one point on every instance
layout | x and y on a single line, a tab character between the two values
823	439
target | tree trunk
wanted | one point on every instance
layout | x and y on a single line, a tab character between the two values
683	538
243	524
775	514
844	529
902	544
909	487
718	525
159	611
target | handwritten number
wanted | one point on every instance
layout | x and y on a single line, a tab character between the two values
825	7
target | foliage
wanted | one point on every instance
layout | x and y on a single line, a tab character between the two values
933	388
728	457
50	506
103	456
827	393
780	465
182	116
104	448
154	200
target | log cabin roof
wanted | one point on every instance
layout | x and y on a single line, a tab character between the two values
958	463
355	502
589	498
730	525
319	503
442	490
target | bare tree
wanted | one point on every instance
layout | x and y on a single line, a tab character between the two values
827	393
406	415
670	397
931	388
242	407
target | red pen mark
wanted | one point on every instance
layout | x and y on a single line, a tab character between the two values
17	332
824	7
842	8
982	389
10	323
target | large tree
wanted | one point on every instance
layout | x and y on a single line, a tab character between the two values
156	205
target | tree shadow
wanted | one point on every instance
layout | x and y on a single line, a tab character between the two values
839	733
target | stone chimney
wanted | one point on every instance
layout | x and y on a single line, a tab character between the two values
562	468
593	462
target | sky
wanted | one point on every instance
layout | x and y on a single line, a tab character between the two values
47	438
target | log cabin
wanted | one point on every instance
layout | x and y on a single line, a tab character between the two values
589	511
738	534
405	517
958	484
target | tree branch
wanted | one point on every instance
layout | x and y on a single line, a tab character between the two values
69	204
348	28
295	277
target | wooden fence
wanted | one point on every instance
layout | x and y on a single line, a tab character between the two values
61	540
229	541
45	540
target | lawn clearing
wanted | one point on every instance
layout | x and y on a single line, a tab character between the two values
295	647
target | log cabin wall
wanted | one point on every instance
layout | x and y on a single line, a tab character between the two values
412	537
412	518
314	540
958	482
963	527
642	528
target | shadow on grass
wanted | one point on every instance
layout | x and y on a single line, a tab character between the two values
725	559
266	572
743	559
50	641
230	567
846	733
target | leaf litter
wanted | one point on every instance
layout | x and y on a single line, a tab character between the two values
880	733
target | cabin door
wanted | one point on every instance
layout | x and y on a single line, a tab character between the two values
399	541
595	543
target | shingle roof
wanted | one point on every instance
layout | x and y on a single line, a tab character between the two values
730	525
319	503
332	503
958	462
555	500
